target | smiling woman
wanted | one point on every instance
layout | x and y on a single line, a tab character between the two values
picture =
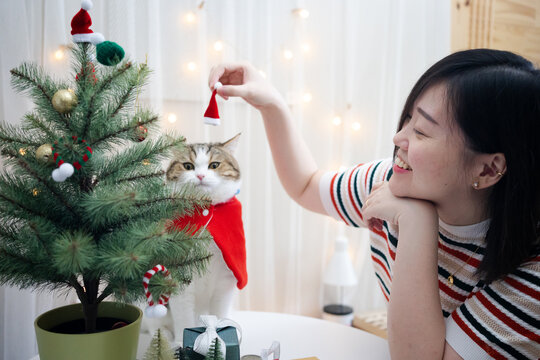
454	219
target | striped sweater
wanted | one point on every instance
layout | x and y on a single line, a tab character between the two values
500	320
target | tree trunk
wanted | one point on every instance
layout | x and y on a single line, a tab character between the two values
90	307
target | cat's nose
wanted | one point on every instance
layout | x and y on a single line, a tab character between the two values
200	176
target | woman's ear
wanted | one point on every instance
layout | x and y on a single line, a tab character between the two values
490	170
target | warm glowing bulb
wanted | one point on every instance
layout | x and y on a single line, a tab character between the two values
336	120
303	13
306	47
35	192
287	54
59	54
22	151
190	17
146	162
218	46
263	74
356	126
307	97
191	66
171	118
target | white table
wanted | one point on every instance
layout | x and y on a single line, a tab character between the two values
302	336
299	337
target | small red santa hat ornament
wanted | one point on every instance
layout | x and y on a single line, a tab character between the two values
211	116
80	26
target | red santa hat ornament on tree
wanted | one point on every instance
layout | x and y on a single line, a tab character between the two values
211	116
80	26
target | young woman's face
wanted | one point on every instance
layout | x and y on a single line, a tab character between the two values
429	162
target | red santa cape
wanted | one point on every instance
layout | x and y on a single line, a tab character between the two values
226	227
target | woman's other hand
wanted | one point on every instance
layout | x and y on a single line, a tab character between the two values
381	204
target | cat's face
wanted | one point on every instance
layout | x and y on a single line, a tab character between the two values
211	167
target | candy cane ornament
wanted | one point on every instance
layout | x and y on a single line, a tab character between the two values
155	310
66	169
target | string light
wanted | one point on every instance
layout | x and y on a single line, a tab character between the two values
172	118
307	97
35	192
59	54
301	12
356	126
336	120
287	54
190	17
218	46
146	162
22	151
192	66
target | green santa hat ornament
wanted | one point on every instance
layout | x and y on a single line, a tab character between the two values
108	53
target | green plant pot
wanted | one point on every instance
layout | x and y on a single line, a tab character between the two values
118	344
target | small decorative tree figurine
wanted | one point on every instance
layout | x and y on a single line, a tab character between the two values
83	200
215	353
159	348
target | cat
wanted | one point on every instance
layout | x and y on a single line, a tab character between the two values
213	168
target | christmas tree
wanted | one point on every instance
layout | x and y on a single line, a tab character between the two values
99	224
159	348
214	352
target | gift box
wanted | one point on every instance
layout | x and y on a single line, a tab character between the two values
228	334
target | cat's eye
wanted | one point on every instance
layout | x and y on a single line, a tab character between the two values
188	166
213	165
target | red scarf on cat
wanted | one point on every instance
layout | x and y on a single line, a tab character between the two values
226	227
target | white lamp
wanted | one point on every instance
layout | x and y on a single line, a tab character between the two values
339	273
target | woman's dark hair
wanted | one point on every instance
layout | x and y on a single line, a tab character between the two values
494	98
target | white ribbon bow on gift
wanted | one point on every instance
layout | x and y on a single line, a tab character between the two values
211	322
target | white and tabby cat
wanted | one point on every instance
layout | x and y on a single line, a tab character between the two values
213	168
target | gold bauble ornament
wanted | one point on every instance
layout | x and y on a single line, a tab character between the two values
64	100
44	154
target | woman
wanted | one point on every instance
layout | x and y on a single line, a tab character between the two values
461	197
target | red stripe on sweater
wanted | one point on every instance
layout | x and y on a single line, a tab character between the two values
451	293
378	261
491	351
384	293
351	196
462	256
334	200
506	319
365	179
523	288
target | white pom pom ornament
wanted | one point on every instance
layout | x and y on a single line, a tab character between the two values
57	176
155	310
87	4
66	169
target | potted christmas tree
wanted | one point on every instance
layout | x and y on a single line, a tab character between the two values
84	204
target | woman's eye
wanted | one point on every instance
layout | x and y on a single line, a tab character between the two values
417	132
188	166
213	165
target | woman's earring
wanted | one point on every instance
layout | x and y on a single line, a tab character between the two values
475	184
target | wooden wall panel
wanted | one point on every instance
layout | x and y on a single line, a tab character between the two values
498	24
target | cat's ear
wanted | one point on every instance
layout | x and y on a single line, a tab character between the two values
174	171
232	144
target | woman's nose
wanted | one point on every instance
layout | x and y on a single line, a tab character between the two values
400	139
